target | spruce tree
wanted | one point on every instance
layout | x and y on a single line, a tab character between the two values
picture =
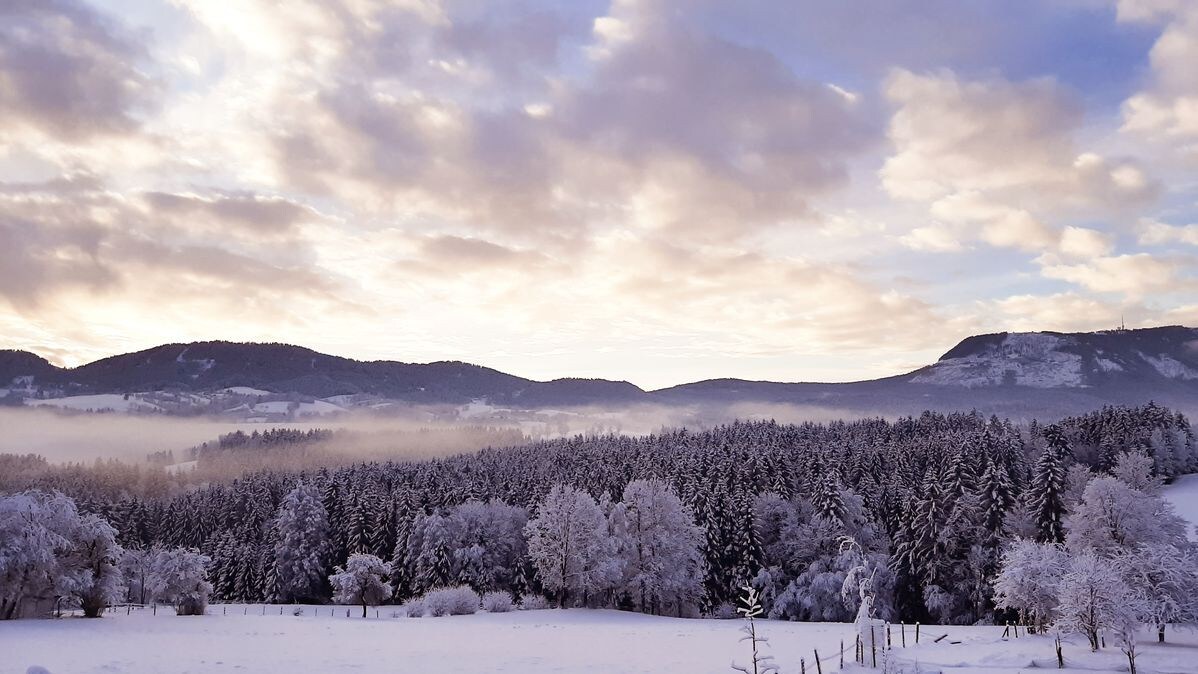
1046	495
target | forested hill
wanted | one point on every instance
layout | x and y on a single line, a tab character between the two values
930	500
1021	375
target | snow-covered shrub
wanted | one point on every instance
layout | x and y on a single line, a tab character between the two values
362	581
724	611
497	602
533	602
413	608
180	577
460	600
299	611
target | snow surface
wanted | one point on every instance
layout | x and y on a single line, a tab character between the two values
1183	494
1032	359
104	401
1170	367
246	391
577	641
303	409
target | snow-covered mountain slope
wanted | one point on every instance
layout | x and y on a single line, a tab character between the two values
1040	374
1057	360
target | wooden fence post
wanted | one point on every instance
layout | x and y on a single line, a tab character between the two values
802	665
888	644
857	649
873	647
1060	656
916	634
903	632
818	668
842	653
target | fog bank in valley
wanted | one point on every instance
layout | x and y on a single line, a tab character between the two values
75	437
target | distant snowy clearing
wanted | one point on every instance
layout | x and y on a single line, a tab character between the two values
96	403
1183	494
571	641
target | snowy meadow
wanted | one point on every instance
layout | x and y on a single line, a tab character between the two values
573	641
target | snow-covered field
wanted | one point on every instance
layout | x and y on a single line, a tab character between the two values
574	641
1183	494
115	402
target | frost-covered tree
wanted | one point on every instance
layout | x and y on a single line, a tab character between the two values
1029	581
1166	577
479	544
97	555
569	544
1093	597
657	543
1077	476
135	568
180	577
37	538
362	581
1135	469
302	532
1113	518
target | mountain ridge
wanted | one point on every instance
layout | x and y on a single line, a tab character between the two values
1004	371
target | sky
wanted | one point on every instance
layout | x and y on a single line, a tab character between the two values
648	190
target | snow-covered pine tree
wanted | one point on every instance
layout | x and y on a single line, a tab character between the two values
1046	493
826	498
996	498
301	530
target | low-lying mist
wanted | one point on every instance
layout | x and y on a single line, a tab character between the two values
83	437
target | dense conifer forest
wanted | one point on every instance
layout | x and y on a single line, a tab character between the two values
926	504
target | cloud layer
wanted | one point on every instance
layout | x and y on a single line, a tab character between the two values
642	189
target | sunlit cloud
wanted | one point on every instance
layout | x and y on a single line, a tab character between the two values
647	190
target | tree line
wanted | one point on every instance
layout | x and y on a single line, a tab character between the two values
928	504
